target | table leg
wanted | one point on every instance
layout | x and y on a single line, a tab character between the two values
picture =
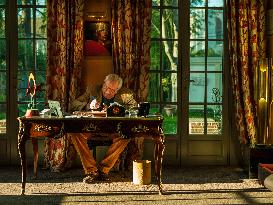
158	155
36	156
22	152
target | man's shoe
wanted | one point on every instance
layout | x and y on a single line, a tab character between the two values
103	176
91	177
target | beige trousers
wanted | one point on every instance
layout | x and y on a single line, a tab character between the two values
89	164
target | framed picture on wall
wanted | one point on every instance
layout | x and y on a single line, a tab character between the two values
97	38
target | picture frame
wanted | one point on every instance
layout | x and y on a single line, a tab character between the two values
97	38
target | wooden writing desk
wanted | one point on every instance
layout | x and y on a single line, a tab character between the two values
38	127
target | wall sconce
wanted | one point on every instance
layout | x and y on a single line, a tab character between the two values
263	94
96	15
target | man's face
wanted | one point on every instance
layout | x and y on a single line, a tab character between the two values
102	35
109	89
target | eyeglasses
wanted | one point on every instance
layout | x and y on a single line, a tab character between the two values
108	88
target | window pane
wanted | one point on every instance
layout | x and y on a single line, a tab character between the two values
214	119
40	77
155	23
197	87
215	24
41	54
41	105
22	86
196	119
156	2
2	23
214	87
197	24
170	55
214	64
170	119
40	97
41	23
215	59
23	79
25	55
154	109
25	22
155	55
3	114
3	55
154	87
21	96
170	24
197	55
3	86
41	2
22	108
215	3
169	87
24	2
170	2
198	3
215	49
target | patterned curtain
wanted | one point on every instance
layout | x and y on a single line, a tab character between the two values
131	28
64	63
247	43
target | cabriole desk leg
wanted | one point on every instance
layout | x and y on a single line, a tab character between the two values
22	152
36	156
158	155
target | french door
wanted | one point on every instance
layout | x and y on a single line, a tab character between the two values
23	51
187	67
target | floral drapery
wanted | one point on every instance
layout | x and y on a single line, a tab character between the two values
65	49
247	43
64	64
131	28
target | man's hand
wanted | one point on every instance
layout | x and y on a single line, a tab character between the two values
94	104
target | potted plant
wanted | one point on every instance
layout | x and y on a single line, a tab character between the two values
169	110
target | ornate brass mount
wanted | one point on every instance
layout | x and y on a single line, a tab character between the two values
90	128
140	128
43	128
49	128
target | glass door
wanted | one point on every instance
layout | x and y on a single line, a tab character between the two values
32	50
205	137
186	78
23	51
4	73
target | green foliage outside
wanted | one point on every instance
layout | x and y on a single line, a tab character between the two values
26	56
2	116
163	82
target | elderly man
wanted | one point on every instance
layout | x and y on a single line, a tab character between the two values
110	92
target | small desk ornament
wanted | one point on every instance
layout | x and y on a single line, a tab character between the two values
31	90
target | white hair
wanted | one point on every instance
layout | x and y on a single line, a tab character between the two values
114	78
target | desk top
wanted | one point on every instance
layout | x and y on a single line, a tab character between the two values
85	118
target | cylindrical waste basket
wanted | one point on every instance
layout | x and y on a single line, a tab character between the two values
141	172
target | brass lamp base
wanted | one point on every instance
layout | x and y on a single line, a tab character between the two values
32	112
